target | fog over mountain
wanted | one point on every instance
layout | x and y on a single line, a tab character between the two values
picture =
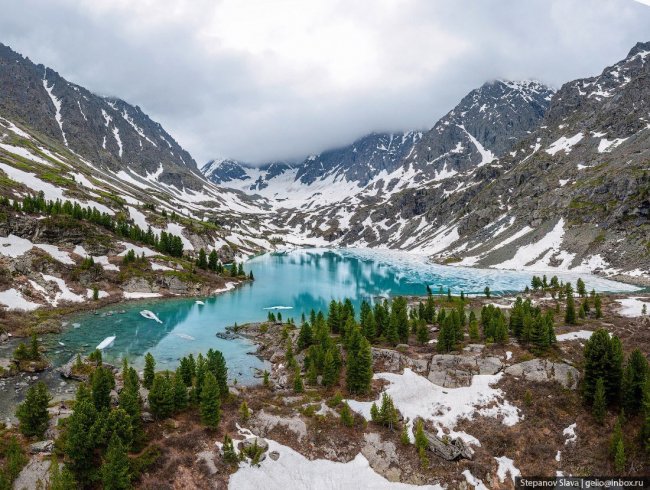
241	80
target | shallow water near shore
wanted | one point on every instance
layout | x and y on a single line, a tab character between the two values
290	283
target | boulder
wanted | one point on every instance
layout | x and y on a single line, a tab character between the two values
274	455
448	448
41	447
250	442
543	370
453	370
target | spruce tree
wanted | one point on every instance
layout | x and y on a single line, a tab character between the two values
599	406
179	392
634	378
330	369
229	455
346	415
213	260
359	369
305	337
619	456
422	332
244	412
598	306
115	470
161	397
103	382
570	313
298	386
80	441
61	478
32	412
210	407
216	364
149	370
202	261
617	435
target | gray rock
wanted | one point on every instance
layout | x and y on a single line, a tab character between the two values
41	447
543	370
274	455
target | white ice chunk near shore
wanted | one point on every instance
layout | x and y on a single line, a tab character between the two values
140	295
150	315
107	342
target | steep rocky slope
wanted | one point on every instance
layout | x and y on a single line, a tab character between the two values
106	130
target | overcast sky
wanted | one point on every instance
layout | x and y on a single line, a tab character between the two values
262	80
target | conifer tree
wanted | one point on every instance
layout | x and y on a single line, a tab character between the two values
570	313
486	291
32	412
619	456
422	332
161	397
580	288
216	364
130	402
244	412
240	270
103	382
617	435
634	379
374	412
305	337
210	407
229	455
179	390
474	333
421	443
359	368
213	260
202	261
80	438
346	415
60	477
298	386
599	406
115	470
149	370
603	359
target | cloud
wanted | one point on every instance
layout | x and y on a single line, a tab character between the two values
259	80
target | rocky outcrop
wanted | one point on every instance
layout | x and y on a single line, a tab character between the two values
447	448
394	361
452	370
544	371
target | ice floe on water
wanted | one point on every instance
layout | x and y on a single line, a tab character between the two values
416	268
415	396
279	308
150	315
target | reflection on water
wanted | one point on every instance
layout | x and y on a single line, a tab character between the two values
302	280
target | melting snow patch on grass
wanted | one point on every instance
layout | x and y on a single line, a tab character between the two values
579	335
415	396
472	480
14	300
506	465
570	433
632	307
293	470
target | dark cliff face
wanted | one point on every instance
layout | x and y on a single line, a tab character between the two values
107	131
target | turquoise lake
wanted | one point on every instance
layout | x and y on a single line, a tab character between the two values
292	283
